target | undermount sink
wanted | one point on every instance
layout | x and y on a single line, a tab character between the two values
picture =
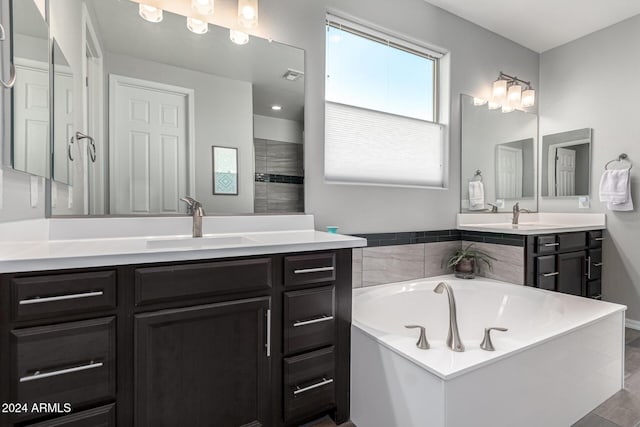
521	226
198	242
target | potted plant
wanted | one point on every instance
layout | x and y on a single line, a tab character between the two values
466	261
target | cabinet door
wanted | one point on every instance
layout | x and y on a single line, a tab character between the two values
203	366
571	273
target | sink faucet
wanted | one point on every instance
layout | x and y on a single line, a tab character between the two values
194	208
494	208
516	213
453	337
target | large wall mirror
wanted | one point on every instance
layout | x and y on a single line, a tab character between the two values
30	97
498	158
566	164
139	107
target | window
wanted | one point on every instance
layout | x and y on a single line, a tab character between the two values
380	109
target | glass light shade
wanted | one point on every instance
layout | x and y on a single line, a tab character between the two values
507	107
528	98
479	101
499	89
197	26
150	13
494	105
238	37
248	13
514	94
202	7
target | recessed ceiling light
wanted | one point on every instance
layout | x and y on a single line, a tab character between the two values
238	37
150	13
276	107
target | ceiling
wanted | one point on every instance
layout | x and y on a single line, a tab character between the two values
260	62
541	25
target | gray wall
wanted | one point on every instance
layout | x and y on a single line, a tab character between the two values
477	56
578	90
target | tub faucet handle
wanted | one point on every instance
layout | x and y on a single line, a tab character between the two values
486	343
422	343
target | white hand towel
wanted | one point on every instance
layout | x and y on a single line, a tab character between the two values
476	195
614	186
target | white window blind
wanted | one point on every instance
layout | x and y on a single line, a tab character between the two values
371	147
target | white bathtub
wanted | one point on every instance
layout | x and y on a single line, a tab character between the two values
562	356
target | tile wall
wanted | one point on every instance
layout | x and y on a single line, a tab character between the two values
279	177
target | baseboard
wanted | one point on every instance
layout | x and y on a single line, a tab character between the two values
632	324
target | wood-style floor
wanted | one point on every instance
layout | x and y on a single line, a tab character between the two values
622	410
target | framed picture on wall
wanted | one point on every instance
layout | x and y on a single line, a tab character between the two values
225	170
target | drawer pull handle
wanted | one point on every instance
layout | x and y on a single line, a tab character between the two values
61	298
599	239
313	386
555	273
312	270
298	323
39	376
551	244
597	264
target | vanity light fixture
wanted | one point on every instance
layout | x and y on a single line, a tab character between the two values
248	13
511	93
197	26
150	13
238	37
276	107
202	7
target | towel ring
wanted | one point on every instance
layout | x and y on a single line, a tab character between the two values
621	157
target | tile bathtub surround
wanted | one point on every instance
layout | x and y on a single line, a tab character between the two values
279	177
388	264
509	263
413	237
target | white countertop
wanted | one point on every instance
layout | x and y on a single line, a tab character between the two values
531	223
38	253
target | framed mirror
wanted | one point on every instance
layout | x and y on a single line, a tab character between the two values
155	104
30	97
566	164
498	158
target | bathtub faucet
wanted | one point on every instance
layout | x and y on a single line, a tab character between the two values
453	337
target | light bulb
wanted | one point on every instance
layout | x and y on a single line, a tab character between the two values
514	94
238	37
150	13
197	26
507	107
494	105
499	89
248	13
528	98
202	7
479	101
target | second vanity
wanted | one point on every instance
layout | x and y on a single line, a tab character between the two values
246	328
562	252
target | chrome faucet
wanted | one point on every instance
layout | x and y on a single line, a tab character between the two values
494	208
516	213
453	337
194	208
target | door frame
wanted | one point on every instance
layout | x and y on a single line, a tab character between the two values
551	165
116	80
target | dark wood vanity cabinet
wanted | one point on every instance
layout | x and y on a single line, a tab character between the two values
253	341
570	263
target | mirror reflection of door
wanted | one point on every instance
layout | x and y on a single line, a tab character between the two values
148	145
565	172
509	172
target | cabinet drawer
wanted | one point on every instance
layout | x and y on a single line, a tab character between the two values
69	362
309	269
104	416
308	319
546	272
547	244
309	386
180	282
594	267
41	297
595	238
570	241
594	289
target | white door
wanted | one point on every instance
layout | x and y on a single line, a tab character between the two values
565	172
63	124
149	133
31	117
509	173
